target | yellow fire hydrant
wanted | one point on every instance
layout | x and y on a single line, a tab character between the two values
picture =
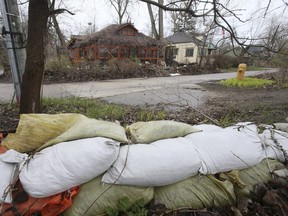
241	70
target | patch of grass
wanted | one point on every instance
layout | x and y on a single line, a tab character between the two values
150	115
98	109
124	207
247	82
91	108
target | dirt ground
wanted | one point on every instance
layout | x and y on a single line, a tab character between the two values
260	105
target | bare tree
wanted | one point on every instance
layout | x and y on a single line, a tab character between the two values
153	22
4	58
182	21
221	12
38	14
56	25
158	33
120	7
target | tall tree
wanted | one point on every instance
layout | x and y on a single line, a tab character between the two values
158	33
181	20
56	25
38	13
120	7
154	30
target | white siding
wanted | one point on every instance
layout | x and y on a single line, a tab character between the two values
181	57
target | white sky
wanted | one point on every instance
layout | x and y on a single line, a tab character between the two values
102	14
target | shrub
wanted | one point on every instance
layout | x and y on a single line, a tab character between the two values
225	61
247	82
58	63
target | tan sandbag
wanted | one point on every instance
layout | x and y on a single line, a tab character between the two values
86	128
37	131
252	176
197	192
95	198
147	132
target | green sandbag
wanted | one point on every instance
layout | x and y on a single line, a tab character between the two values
197	192
36	131
95	198
147	132
258	174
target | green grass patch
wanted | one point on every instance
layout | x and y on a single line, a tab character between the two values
151	115
98	109
247	82
91	108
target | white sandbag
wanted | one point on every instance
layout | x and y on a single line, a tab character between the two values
276	143
68	164
7	170
281	126
8	162
231	148
208	127
160	163
147	132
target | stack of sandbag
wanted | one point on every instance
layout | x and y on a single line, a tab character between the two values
154	159
166	160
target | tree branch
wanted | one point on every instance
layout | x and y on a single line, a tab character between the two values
59	11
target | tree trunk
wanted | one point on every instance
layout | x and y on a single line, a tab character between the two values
34	68
152	20
161	34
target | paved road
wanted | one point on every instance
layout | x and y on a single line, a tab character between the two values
175	90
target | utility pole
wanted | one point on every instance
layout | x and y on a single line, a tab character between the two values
13	34
161	34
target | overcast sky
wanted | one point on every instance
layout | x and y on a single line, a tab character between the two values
100	13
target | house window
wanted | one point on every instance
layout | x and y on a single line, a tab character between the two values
114	52
103	53
128	32
81	53
175	51
189	52
141	53
123	52
202	52
133	53
149	53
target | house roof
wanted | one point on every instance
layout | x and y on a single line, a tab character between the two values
111	36
183	37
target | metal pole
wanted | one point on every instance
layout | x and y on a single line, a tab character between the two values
12	32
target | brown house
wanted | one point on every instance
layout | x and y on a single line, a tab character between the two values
118	42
